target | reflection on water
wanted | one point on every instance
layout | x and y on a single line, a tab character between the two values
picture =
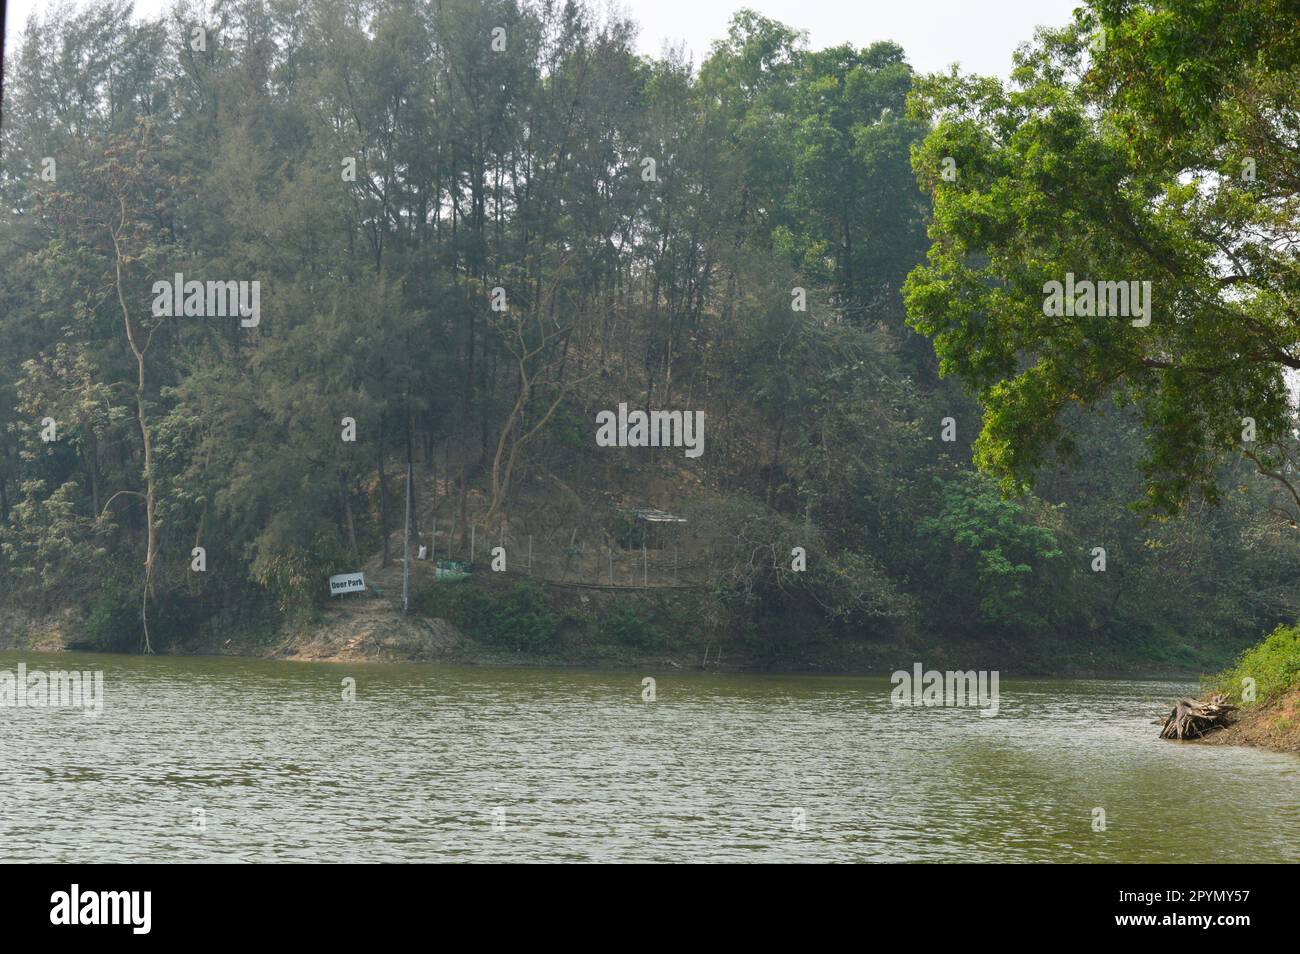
213	759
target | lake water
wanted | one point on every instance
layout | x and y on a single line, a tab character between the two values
219	759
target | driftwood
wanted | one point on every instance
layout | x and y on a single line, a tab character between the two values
1193	718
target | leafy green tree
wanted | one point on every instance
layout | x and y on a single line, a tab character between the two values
1123	161
106	241
860	225
382	167
991	559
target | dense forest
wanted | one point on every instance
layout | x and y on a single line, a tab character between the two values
476	224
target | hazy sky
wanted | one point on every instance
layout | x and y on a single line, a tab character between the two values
980	34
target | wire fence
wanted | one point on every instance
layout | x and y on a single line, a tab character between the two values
675	557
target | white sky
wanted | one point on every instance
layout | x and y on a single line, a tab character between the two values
979	34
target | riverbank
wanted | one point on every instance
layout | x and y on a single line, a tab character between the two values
1265	682
1273	725
504	624
507	622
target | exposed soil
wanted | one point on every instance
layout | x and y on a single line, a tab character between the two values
37	632
1274	725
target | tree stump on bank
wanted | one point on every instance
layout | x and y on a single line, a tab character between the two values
1193	718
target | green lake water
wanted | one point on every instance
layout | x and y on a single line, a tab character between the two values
239	760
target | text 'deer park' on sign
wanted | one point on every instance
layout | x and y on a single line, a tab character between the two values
347	583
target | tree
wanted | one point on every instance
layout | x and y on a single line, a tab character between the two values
991	556
383	168
114	220
1124	161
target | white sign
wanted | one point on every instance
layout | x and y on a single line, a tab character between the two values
347	583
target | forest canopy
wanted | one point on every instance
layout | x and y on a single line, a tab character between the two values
472	226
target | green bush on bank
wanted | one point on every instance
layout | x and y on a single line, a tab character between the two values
520	619
296	577
623	625
112	622
1274	664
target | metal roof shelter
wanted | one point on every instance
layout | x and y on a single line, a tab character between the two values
645	527
651	514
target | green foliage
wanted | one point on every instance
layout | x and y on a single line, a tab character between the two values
991	552
50	543
855	590
519	618
297	578
1274	665
779	167
456	602
624	625
113	624
1123	165
568	431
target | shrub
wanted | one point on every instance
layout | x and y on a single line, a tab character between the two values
297	578
1274	664
113	623
623	625
521	619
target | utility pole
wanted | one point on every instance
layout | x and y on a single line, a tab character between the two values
406	542
406	549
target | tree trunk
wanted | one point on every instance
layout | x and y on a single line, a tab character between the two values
347	516
1193	718
383	496
151	484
